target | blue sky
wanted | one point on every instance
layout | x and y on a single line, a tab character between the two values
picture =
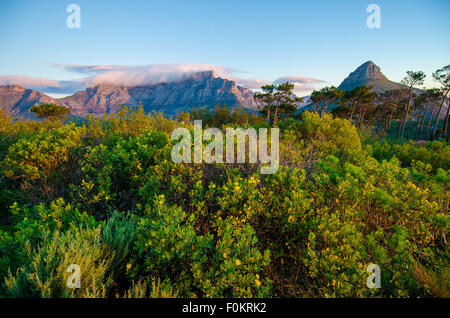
323	40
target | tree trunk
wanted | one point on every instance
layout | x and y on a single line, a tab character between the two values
436	124
352	112
385	128
444	133
324	109
358	120
316	107
430	119
423	120
276	116
361	120
390	118
405	120
322	106
422	115
400	125
440	112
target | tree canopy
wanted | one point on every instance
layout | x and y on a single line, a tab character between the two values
50	111
278	101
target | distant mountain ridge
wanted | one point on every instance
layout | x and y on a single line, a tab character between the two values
369	74
199	89
16	100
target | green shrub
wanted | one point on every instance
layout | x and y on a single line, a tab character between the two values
154	289
119	235
112	175
45	275
38	156
30	225
198	264
436	153
328	134
106	195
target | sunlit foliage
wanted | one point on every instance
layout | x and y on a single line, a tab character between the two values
104	193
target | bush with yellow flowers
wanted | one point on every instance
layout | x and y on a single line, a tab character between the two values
104	193
222	262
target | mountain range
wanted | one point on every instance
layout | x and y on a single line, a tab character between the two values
200	89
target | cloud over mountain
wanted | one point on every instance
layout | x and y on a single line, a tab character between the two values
43	84
136	75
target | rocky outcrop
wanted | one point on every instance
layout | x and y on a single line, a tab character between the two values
17	101
203	89
98	100
369	74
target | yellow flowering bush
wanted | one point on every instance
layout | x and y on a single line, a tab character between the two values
104	193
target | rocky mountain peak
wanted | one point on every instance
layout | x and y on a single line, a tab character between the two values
367	71
368	74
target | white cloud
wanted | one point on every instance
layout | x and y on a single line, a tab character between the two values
301	83
144	74
28	81
43	84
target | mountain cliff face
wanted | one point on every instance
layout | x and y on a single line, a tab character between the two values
17	101
369	74
203	89
97	100
200	89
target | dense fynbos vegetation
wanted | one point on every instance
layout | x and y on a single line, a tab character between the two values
105	194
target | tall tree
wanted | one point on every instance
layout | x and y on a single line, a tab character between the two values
280	99
221	116
368	107
412	79
421	110
240	117
323	98
427	102
390	104
434	100
286	102
267	99
351	101
203	114
443	77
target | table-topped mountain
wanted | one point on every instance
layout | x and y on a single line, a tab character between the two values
369	74
199	89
